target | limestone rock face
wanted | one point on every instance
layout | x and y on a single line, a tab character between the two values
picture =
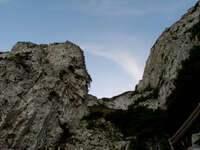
168	91
124	100
169	52
44	101
173	59
45	105
42	94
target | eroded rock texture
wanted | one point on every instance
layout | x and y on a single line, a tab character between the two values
42	91
168	91
44	101
168	54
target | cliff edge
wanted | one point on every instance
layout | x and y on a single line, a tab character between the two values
45	105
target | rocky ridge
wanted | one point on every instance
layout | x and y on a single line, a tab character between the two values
170	81
167	55
167	59
44	101
43	97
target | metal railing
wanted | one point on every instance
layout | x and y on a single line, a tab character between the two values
181	131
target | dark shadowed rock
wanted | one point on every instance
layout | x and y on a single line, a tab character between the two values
172	48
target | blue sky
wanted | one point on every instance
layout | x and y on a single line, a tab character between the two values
116	35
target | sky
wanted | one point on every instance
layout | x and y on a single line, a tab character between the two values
115	35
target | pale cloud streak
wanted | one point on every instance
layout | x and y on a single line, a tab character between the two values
126	51
124	58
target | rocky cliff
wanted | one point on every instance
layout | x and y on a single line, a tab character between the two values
43	88
169	89
176	45
172	69
43	97
44	101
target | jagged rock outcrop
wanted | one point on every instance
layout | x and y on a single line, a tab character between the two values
130	98
169	87
43	97
173	47
44	100
42	91
178	45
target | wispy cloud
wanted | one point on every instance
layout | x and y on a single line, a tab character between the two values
127	51
122	57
